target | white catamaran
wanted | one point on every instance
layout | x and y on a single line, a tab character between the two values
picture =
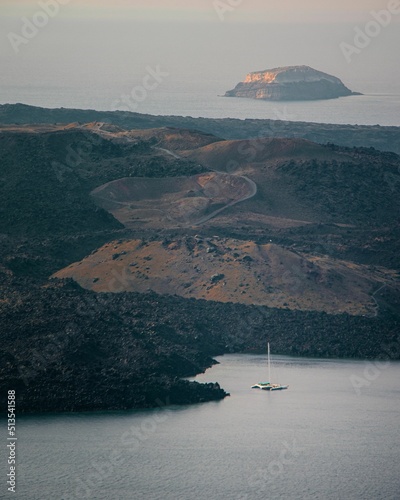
268	386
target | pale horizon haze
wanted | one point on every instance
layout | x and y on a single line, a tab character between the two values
92	47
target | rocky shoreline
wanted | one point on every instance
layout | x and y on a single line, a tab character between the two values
73	350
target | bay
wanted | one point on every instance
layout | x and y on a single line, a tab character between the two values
333	434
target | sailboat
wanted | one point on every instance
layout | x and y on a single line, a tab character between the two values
268	386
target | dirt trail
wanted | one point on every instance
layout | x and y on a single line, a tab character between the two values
98	128
252	186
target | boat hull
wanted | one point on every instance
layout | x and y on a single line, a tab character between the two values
275	388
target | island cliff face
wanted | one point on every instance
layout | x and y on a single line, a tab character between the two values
291	83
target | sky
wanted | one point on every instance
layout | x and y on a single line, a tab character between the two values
216	42
254	11
298	11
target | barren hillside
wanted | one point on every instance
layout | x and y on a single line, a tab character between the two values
227	270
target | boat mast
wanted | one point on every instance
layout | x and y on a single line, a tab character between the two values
269	367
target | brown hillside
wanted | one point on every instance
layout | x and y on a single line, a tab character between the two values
228	270
229	156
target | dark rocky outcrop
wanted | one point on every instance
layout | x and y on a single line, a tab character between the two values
291	83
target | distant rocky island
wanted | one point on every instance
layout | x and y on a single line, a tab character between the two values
290	83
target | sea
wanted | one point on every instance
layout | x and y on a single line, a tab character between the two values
333	434
187	98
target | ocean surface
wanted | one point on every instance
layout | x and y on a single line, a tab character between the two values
334	434
205	100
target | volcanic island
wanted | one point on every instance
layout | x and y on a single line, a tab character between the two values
290	83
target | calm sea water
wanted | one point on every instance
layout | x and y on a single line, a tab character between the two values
187	99
318	440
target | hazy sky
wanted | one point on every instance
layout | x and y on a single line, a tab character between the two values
297	11
112	42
